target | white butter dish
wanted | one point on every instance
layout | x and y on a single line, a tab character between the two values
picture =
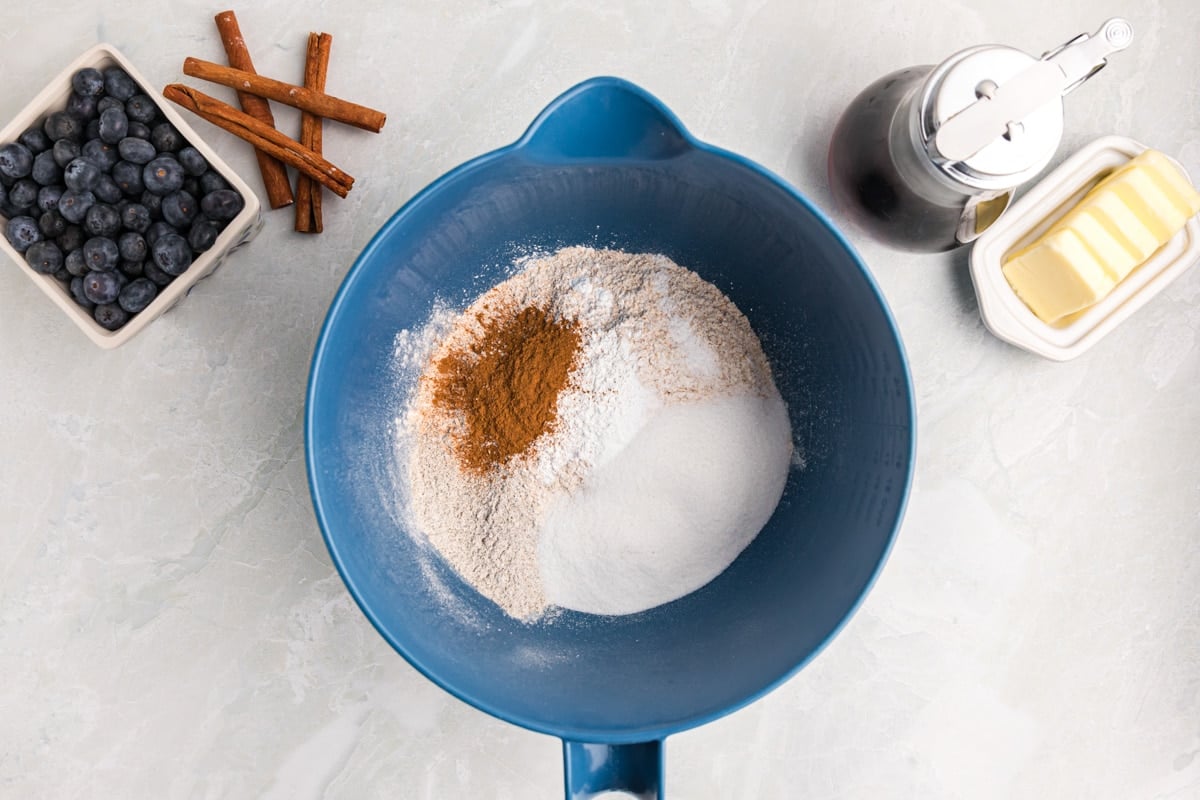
1006	316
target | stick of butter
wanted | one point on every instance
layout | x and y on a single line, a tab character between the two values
1116	227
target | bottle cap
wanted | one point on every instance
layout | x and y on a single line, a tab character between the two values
991	117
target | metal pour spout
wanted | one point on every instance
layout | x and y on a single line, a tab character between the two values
999	109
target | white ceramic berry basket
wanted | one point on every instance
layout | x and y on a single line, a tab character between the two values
240	229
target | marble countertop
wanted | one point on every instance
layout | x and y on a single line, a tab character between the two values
170	622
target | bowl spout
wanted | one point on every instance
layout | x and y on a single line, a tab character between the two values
604	118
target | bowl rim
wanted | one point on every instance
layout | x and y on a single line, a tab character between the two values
570	732
235	233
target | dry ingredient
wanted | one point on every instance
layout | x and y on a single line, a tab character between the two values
672	511
505	385
599	432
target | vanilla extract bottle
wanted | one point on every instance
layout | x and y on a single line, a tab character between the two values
928	157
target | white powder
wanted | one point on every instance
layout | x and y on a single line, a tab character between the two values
669	453
672	511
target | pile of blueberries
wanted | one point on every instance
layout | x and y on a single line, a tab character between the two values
108	197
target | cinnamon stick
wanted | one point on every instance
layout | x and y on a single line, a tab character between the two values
316	67
274	175
266	138
318	103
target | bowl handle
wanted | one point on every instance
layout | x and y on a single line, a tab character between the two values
604	118
592	769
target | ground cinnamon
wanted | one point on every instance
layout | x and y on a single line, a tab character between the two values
506	385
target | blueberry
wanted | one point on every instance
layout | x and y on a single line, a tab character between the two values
193	163
81	106
171	253
132	246
203	234
162	176
136	151
74	205
101	153
23	194
156	275
44	257
16	161
72	238
22	231
46	171
165	138
139	130
62	275
81	175
114	125
118	84
75	263
153	204
135	217
106	103
92	129
110	316
48	197
102	220
222	205
4	198
140	108
65	151
101	255
191	186
179	209
133	269
88	82
156	230
211	181
77	293
107	190
36	140
51	224
64	125
128	177
137	295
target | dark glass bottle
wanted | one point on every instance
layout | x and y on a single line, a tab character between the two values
927	157
868	184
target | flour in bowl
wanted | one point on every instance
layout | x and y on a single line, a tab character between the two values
599	432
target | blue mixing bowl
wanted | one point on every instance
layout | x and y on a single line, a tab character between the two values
606	164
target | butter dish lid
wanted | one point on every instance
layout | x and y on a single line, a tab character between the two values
1006	316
